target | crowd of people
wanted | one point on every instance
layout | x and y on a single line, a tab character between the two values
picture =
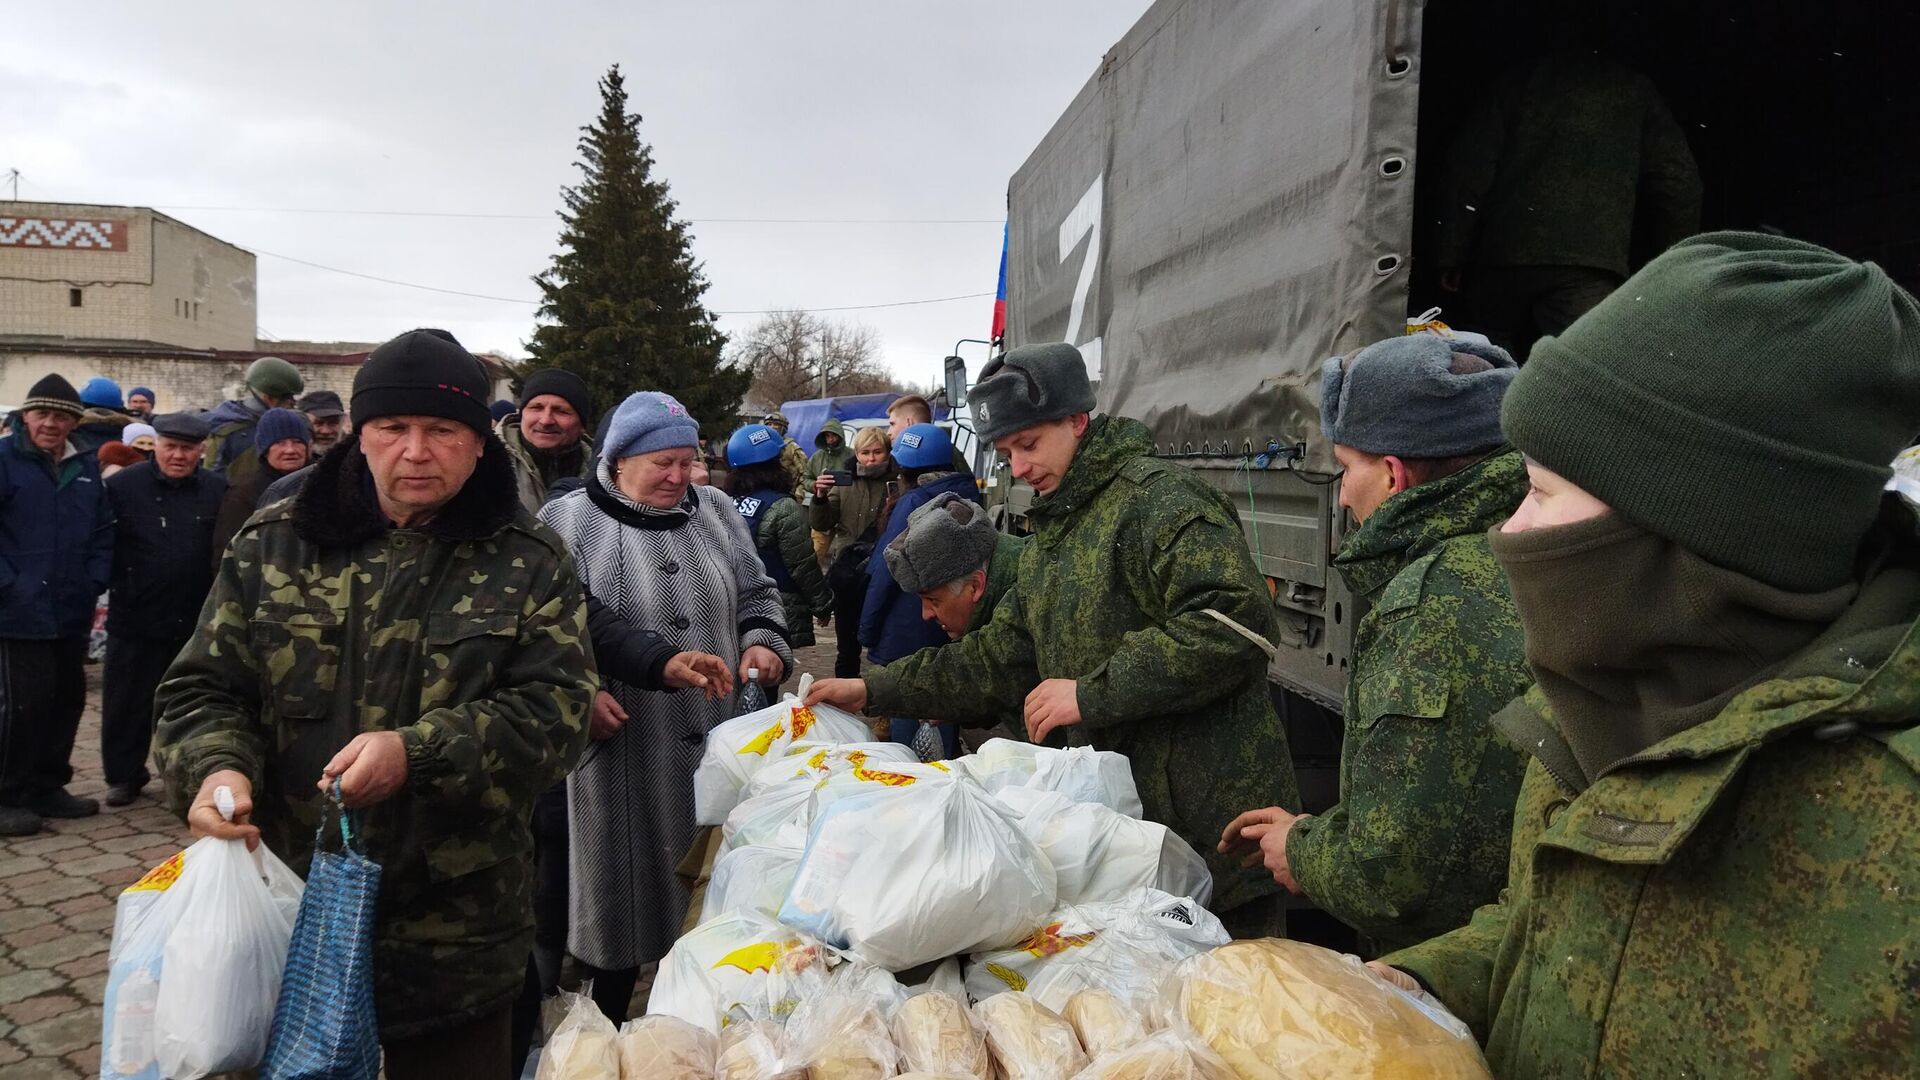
1630	721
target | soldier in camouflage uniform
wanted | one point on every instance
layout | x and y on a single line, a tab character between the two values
1108	640
1715	857
1419	837
793	459
405	626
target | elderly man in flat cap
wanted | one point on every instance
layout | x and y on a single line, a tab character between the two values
163	558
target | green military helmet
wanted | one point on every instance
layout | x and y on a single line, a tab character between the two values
275	378
776	420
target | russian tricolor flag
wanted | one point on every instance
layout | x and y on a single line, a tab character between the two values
1000	297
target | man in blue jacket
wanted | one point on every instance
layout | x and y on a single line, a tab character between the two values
163	558
56	553
891	623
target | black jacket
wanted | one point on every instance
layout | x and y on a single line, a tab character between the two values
162	552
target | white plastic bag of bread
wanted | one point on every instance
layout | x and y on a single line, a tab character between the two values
1080	773
904	874
1027	1040
1103	1021
1164	1055
1101	854
752	1050
1277	1009
935	1033
581	1045
665	1048
1127	947
741	746
738	964
811	762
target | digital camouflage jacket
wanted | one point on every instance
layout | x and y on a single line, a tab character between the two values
1128	555
1419	838
469	638
1740	899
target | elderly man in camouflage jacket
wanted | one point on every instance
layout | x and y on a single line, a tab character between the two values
1427	784
402	625
1111	638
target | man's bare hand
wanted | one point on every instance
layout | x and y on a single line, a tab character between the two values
822	483
1389	974
1272	851
607	717
848	694
698	670
204	819
1231	840
371	767
1055	703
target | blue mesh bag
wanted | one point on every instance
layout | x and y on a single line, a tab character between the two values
324	1027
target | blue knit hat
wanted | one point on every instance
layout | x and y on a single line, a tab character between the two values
102	392
647	421
277	424
151	399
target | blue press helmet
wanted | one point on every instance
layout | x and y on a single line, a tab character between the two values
753	444
923	446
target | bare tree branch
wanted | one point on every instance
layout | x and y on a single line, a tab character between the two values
789	351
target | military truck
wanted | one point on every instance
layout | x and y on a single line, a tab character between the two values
1247	187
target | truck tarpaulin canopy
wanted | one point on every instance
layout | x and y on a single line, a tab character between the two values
1208	250
806	418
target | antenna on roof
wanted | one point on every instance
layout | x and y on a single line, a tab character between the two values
13	177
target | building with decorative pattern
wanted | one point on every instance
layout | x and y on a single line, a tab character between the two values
132	294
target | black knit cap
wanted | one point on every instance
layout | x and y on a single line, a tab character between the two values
562	384
56	393
422	373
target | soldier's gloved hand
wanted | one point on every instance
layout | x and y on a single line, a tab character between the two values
1389	974
203	817
687	670
1055	703
371	767
772	671
607	717
848	694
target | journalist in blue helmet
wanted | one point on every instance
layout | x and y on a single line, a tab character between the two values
891	623
762	488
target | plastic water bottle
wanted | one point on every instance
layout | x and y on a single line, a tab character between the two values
753	696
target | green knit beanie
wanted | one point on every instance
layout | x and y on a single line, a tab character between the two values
1742	395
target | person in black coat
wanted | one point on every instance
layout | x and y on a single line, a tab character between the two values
165	510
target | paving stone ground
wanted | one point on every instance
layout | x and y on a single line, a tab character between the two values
57	893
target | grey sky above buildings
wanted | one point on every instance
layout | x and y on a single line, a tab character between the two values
755	109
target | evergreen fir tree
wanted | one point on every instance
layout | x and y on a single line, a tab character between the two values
621	303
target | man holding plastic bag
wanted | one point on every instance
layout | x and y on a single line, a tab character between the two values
1114	636
405	626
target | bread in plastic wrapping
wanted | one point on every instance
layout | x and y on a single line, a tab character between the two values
1126	946
665	1048
1080	773
1103	1022
581	1045
739	747
903	875
752	879
1164	1055
1101	854
752	1050
1029	1041
840	1032
1279	1009
738	964
935	1033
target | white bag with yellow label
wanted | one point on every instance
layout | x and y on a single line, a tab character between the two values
743	745
737	966
1126	947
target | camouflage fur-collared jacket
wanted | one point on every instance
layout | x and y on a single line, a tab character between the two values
1739	899
536	471
1128	555
1427	783
468	637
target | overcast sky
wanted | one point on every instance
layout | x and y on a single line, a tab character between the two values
754	108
